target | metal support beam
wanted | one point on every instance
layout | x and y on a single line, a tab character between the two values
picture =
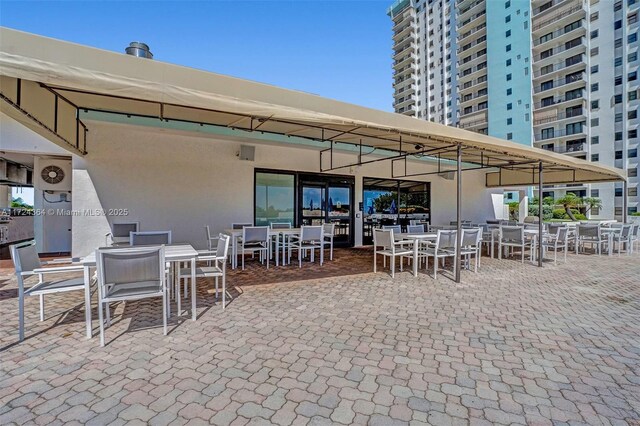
625	201
540	215
458	260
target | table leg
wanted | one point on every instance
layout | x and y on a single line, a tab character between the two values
415	258
193	288
87	301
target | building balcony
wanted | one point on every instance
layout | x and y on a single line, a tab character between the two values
404	31
561	82
470	9
409	49
409	79
469	47
545	8
471	22
547	118
557	18
570	49
558	35
470	111
471	74
559	134
473	34
474	124
560	100
404	61
406	102
569	148
477	98
569	66
408	69
473	85
405	91
474	60
406	111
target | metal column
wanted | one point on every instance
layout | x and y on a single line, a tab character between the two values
625	201
458	260
540	215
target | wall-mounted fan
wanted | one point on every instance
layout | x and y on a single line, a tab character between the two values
52	174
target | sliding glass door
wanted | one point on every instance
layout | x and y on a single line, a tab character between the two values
274	198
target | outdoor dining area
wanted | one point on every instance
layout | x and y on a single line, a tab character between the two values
135	264
417	243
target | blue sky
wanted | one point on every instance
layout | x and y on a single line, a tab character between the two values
336	49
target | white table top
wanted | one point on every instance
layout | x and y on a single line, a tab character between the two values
238	232
173	252
416	236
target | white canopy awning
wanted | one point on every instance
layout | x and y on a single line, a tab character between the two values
45	82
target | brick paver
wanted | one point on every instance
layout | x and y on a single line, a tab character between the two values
512	344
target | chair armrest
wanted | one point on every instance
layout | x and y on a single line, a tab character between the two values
58	269
63	261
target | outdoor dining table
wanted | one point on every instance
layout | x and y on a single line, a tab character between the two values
609	232
415	239
172	253
237	233
530	232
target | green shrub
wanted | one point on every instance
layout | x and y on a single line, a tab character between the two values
635	214
547	211
560	214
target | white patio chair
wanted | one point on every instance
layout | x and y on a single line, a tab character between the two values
635	237
150	238
255	239
512	237
590	234
120	233
216	267
310	238
556	240
280	225
623	237
131	273
279	240
415	229
211	240
328	231
390	248
27	263
470	239
397	229
445	246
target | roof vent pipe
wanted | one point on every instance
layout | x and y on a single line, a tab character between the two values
139	49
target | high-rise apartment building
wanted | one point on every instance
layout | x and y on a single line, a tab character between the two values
560	75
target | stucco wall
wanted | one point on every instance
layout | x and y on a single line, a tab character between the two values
169	180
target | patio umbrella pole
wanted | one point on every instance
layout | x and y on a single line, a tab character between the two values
458	208
625	201
540	215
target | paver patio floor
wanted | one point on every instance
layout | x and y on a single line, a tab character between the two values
512	344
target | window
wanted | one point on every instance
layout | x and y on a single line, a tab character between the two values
507	18
573	128
618	211
617	6
482	105
509	136
618	80
274	198
617	99
595	87
546	85
594	69
594	34
618	155
632	134
617	24
509	77
595	193
547	133
573	43
573	94
632	38
509	106
632	192
632	96
632	114
509	91
595	122
632	172
618	192
595	140
632	57
595	157
508	62
509	121
507	33
617	62
546	101
632	19
545	38
507	4
617	136
633	153
618	117
593	17
545	54
594	51
595	104
632	76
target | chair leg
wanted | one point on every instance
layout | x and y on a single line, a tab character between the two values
435	267
300	256
20	311
375	257
331	250
164	311
216	281
393	266
101	322
42	307
107	308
